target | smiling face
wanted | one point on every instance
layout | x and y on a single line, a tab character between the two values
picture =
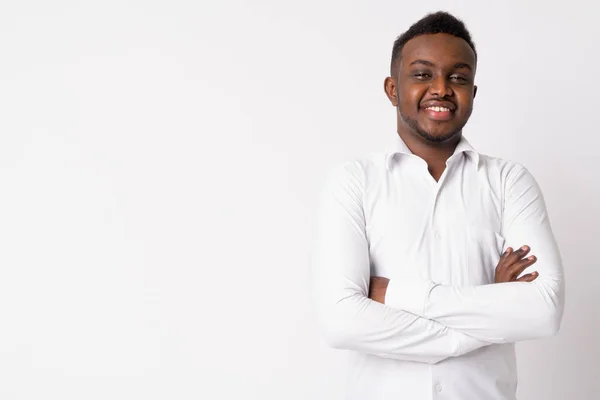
433	89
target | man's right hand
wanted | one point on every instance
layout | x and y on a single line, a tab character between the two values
512	264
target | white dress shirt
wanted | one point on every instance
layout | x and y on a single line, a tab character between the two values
446	330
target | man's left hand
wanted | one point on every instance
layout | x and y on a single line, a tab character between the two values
378	288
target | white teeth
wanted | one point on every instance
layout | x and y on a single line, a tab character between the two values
438	109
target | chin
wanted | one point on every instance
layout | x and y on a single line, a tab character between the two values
436	137
432	132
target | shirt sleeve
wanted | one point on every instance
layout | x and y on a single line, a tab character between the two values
341	274
504	312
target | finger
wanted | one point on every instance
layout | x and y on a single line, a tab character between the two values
529	277
518	254
502	261
518	268
506	253
509	257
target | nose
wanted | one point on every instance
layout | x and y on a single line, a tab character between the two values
440	87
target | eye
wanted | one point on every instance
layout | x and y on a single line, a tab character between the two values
459	79
422	75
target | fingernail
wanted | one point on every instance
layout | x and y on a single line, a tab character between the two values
524	248
531	258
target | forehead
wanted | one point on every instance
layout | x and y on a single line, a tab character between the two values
440	49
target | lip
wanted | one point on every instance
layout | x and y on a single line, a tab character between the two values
439	116
437	103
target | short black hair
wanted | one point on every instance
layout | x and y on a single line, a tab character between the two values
438	22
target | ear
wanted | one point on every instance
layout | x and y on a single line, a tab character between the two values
474	91
389	86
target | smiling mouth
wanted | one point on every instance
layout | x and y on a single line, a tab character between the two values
437	113
438	109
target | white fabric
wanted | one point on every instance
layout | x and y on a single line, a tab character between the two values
446	331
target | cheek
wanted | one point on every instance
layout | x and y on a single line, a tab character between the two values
411	97
465	102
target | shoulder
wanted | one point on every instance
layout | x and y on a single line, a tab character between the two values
359	171
507	170
353	179
513	179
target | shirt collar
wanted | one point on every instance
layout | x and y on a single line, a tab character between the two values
398	146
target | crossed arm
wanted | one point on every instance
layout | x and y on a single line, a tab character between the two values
421	320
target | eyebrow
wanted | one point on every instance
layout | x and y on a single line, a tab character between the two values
430	64
424	62
462	65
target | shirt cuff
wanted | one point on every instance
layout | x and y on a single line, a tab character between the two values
408	294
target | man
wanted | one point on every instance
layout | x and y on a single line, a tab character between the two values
414	265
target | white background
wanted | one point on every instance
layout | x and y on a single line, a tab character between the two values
159	168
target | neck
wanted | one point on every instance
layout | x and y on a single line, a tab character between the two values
434	154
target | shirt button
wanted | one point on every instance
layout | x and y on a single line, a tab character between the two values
438	388
437	235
